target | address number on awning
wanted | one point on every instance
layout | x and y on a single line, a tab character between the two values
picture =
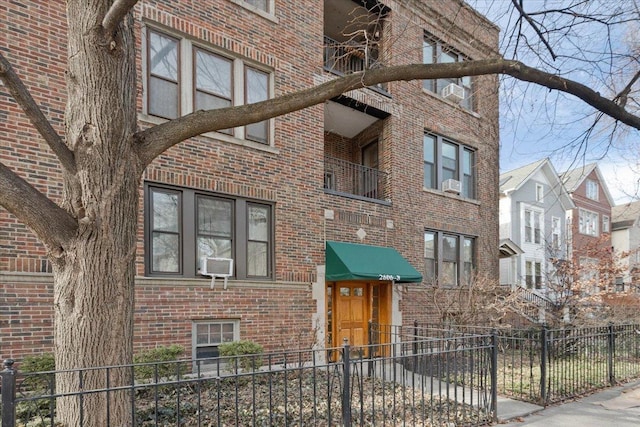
395	278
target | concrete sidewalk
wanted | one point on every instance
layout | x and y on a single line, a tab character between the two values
616	407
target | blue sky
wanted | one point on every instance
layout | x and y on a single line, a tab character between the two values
536	123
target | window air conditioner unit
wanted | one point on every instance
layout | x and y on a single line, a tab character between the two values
453	92
451	186
216	267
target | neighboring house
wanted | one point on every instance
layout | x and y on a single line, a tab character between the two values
333	216
533	205
590	219
625	238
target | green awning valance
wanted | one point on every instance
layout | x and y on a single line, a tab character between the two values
351	261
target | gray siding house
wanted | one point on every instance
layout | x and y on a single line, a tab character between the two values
625	238
533	209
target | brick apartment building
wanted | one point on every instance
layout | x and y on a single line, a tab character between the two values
399	181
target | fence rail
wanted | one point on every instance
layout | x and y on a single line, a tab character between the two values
544	366
408	375
338	386
344	177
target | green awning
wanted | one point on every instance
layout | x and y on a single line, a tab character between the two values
351	261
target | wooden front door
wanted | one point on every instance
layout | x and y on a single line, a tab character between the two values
352	313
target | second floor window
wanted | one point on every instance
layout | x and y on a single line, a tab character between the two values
588	222
184	225
605	223
532	226
183	76
449	258
436	52
555	233
444	159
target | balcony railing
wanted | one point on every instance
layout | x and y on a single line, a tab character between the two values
344	177
349	57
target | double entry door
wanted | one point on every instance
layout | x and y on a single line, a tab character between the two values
351	305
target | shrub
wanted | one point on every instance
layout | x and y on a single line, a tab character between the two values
248	354
160	361
37	412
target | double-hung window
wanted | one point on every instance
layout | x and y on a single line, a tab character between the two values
184	225
588	222
592	189
449	258
445	159
533	226
555	233
533	274
436	52
184	76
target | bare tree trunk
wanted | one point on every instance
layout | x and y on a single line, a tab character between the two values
94	279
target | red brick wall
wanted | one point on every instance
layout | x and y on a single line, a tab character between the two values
275	316
601	207
291	175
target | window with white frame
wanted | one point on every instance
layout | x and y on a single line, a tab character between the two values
436	52
533	274
207	335
445	159
539	193
533	226
449	258
183	225
264	5
592	189
587	222
556	233
589	275
183	76
605	223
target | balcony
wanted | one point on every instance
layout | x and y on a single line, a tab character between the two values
348	57
354	180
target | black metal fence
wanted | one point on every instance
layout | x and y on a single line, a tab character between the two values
430	381
426	375
543	365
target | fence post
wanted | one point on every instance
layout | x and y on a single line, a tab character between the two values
610	359
494	374
415	337
543	365
346	388
371	349
8	375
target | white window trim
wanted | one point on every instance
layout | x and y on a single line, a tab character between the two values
596	223
526	208
606	221
534	261
597	189
539	193
557	230
194	334
186	85
270	14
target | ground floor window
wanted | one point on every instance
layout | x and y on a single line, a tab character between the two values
209	334
449	258
533	274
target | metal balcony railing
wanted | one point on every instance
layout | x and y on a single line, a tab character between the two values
341	176
349	57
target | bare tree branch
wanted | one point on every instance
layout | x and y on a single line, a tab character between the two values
155	140
114	15
533	24
52	224
22	96
621	98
